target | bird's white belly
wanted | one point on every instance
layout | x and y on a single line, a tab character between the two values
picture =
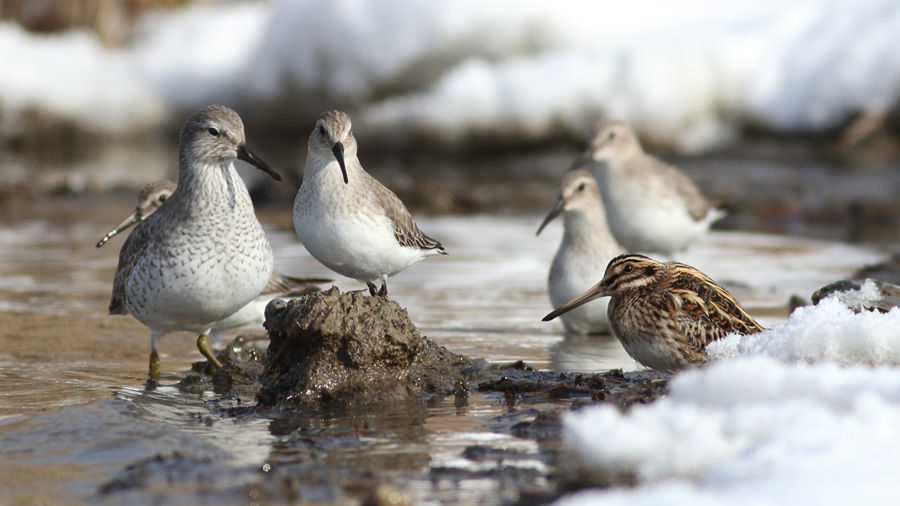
355	245
642	224
194	289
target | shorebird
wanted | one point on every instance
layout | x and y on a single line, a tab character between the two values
665	314
349	221
651	205
151	196
202	255
587	246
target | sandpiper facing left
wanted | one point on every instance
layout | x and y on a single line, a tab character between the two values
348	220
665	313
586	247
202	255
151	196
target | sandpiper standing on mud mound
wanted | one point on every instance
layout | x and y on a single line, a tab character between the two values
650	205
665	313
202	255
349	221
151	196
587	246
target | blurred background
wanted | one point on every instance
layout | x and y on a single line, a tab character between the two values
784	112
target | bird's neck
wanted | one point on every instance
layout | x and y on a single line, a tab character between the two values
210	183
588	227
327	171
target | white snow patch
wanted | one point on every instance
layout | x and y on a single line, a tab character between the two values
750	431
828	331
803	413
690	73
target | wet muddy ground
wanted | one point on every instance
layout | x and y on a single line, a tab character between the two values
78	426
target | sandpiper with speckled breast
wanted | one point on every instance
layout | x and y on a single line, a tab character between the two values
151	196
203	255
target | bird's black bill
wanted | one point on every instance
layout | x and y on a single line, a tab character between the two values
595	292
558	208
338	151
129	221
244	153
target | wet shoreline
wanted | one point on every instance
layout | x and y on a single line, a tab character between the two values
73	405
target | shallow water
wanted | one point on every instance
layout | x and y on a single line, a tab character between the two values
77	426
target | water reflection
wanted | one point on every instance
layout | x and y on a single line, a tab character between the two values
63	359
590	354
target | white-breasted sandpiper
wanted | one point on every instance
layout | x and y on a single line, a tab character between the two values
586	248
349	221
650	205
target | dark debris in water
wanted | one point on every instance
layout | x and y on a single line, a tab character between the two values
347	383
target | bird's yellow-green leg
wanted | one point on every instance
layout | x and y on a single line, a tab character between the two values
203	346
154	365
155	336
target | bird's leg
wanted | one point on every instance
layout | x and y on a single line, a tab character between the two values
154	366
371	288
203	346
383	291
154	355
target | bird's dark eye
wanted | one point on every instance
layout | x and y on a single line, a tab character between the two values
322	129
162	198
213	131
581	187
628	268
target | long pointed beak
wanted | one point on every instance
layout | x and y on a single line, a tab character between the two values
244	153
338	151
558	208
595	292
135	217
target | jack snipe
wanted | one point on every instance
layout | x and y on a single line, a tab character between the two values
665	313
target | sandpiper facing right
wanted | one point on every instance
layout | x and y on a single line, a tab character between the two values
151	196
349	221
651	205
202	255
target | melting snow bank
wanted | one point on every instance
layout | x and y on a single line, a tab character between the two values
791	417
829	331
690	73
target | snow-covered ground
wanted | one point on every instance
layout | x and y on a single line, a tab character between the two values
803	413
689	72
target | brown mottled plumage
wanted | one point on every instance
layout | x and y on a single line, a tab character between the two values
665	313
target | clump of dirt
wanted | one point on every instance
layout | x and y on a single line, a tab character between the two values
349	348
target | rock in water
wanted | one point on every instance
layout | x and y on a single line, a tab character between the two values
887	298
347	348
